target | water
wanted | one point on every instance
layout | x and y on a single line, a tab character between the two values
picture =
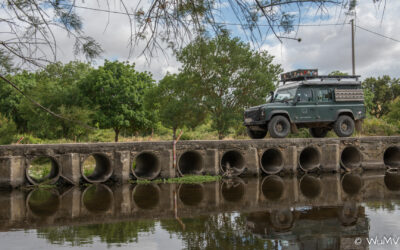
302	212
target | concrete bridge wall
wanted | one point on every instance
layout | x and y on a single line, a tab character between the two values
115	161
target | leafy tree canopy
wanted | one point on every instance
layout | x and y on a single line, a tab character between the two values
116	92
227	76
384	90
176	105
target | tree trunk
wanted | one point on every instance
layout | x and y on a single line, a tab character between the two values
173	134
116	134
220	135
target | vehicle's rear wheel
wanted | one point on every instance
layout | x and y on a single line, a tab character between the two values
318	132
344	126
279	127
256	134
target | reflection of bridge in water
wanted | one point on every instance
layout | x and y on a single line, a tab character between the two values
149	160
312	210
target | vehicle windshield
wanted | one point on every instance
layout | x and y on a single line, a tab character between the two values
285	95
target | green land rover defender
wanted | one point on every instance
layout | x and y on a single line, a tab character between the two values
306	100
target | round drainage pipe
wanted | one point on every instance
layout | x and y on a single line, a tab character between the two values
392	180
271	161
309	159
233	190
282	220
98	198
102	171
272	187
310	186
351	183
391	157
43	202
190	163
191	194
146	165
146	196
350	158
51	178
232	162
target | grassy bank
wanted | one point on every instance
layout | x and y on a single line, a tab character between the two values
188	179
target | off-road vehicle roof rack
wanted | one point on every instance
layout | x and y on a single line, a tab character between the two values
311	74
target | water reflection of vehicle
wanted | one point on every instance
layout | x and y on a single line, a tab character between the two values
334	227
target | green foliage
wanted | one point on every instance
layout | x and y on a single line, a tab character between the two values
56	87
227	76
6	64
187	179
384	90
394	112
375	126
8	130
116	92
338	73
175	103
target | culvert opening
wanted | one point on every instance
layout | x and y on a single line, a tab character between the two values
352	184
310	159
190	163
392	181
310	186
146	196
233	190
146	166
391	157
96	168
272	161
43	202
282	220
97	199
191	194
232	162
272	187
350	158
43	169
348	214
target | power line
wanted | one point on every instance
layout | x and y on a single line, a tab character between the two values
378	34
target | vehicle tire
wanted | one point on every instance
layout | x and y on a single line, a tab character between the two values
279	127
255	134
344	126
318	132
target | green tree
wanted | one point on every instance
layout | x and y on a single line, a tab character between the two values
227	76
10	99
384	90
174	103
338	73
56	87
7	130
116	92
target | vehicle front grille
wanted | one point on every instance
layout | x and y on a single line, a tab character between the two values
253	114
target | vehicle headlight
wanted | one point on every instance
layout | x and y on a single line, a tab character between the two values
262	114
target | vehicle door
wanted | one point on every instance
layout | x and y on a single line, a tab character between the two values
325	104
305	107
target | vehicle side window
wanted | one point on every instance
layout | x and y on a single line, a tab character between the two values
305	95
325	95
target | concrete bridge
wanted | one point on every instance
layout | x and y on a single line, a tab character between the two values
122	162
276	197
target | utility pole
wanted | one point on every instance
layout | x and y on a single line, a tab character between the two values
353	59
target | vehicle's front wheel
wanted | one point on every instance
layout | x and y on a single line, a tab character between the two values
256	134
318	132
279	127
344	126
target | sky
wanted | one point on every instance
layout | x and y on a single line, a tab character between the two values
327	48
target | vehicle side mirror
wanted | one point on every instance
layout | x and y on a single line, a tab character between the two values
272	95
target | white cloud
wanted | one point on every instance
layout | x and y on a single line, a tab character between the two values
328	48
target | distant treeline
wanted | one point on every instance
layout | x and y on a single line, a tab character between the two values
219	77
